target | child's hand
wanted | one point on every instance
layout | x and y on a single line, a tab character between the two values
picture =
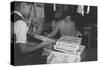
78	33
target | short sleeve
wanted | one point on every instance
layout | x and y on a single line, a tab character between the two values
20	29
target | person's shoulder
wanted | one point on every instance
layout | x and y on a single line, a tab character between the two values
71	22
20	22
15	17
60	22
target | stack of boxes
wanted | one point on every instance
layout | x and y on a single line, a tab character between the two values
66	50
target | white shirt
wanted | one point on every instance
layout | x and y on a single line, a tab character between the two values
20	29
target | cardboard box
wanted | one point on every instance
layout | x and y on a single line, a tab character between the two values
70	39
68	43
58	57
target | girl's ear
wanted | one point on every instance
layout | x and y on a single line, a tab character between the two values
23	5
